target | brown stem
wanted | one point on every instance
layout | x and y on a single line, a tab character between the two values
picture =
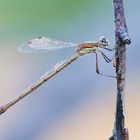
122	38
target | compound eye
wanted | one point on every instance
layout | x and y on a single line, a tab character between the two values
104	41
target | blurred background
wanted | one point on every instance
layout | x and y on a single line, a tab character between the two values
76	104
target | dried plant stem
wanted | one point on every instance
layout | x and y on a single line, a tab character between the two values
121	38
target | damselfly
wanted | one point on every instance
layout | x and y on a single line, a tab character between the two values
46	44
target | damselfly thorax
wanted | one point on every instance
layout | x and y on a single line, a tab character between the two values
87	47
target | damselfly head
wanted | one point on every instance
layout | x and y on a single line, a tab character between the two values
104	41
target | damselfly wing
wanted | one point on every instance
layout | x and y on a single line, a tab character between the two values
43	44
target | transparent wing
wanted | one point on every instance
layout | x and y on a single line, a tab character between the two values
43	44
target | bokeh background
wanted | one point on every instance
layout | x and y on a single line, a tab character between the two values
76	104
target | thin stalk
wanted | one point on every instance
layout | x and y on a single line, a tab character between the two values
122	38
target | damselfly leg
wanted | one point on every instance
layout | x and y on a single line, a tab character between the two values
97	68
105	57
